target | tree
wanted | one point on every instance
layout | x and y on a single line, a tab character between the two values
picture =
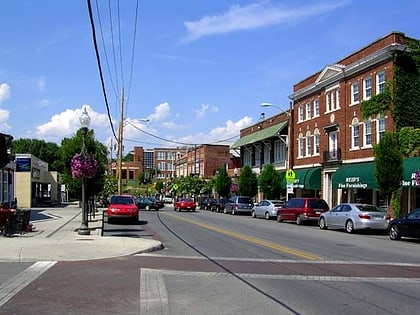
248	182
46	151
71	146
389	167
223	182
269	182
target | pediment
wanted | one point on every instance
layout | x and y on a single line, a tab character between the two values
329	72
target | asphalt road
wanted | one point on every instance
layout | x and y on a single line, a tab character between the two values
222	264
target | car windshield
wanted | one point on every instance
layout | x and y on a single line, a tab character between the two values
122	200
369	208
244	200
317	204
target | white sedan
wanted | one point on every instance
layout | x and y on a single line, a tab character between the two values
266	209
354	216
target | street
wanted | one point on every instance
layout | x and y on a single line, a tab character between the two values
215	263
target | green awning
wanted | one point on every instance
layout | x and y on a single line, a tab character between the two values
410	165
355	176
260	135
306	178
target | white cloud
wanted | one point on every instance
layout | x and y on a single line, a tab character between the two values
4	117
162	111
201	112
67	122
219	135
4	92
253	16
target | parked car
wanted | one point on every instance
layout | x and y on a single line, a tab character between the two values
218	205
206	203
185	204
407	226
148	203
354	216
158	202
302	210
239	204
266	209
122	207
167	199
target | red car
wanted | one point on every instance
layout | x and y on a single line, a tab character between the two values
123	207
302	210
185	204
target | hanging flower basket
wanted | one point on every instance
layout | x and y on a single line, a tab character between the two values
83	166
417	177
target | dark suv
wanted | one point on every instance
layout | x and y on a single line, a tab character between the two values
302	210
239	204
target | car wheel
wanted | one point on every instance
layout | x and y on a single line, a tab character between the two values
322	224
279	219
147	208
349	226
253	214
225	211
267	216
394	233
298	220
233	211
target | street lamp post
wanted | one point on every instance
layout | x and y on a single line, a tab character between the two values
289	122
84	120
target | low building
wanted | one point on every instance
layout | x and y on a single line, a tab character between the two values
34	184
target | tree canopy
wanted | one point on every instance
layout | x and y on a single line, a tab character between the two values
269	182
248	182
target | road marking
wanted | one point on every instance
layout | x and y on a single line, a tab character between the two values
250	239
326	262
286	277
21	280
153	293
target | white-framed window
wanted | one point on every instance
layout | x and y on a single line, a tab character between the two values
333	144
380	127
337	99
257	154
380	82
355	135
367	131
248	156
279	151
355	93
316	108
308	111
316	142
367	88
328	101
300	113
161	155
308	143
300	145
267	150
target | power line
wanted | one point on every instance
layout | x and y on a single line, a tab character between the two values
92	24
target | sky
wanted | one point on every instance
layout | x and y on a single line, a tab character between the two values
185	72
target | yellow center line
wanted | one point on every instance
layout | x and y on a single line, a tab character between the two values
250	239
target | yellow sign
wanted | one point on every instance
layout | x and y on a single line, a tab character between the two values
175	187
290	176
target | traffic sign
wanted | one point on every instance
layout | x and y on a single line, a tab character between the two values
175	187
290	176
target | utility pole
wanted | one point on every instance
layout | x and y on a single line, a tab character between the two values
120	144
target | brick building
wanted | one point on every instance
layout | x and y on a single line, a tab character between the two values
202	160
330	145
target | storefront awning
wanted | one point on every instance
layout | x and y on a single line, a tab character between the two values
410	165
355	176
307	178
260	135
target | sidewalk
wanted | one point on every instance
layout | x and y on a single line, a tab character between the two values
55	238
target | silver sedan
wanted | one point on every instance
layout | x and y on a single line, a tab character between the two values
266	209
354	216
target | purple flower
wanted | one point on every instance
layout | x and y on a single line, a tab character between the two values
83	166
417	177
